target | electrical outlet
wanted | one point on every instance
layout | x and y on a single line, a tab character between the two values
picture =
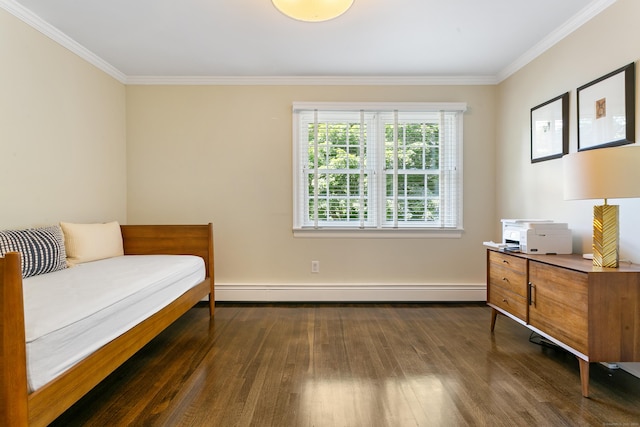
315	266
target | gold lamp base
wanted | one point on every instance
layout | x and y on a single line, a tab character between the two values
605	235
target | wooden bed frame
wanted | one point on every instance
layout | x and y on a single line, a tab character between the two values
18	407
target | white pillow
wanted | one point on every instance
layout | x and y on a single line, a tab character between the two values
91	242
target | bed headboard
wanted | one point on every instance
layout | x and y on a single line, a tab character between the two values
170	239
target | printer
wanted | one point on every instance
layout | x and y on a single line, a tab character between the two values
536	236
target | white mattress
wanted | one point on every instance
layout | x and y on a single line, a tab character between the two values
72	312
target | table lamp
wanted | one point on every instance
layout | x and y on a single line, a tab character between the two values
604	173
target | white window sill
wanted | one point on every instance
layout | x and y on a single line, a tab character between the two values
383	233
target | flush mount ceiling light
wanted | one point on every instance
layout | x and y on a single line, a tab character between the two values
312	10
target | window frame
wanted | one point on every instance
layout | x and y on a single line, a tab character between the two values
380	231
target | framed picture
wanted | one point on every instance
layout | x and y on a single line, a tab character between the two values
550	129
607	111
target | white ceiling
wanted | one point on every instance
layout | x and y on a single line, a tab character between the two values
487	39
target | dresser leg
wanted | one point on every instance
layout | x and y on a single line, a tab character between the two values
494	315
584	376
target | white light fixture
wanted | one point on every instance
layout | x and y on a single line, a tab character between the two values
605	173
312	10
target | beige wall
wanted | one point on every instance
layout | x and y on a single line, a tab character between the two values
223	154
62	133
77	145
606	43
524	190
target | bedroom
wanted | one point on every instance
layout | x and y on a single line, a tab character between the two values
154	142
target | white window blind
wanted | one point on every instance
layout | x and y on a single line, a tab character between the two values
377	166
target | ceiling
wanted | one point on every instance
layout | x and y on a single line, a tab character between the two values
488	39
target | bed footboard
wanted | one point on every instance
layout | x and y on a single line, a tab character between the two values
13	365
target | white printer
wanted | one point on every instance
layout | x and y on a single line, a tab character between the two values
537	236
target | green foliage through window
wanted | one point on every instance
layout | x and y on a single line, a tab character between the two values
379	169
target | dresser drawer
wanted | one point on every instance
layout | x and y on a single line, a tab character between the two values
508	272
508	301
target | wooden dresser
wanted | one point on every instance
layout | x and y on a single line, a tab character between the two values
592	312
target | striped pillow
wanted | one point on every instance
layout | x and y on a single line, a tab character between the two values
42	249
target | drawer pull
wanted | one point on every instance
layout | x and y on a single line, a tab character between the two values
505	300
504	279
505	261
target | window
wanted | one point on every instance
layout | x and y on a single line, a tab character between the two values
378	167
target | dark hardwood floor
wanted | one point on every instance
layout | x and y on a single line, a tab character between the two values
353	365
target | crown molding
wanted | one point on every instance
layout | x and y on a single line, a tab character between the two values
591	10
58	36
61	38
312	80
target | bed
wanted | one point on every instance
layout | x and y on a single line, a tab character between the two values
18	405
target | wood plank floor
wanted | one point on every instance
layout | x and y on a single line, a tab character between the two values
353	365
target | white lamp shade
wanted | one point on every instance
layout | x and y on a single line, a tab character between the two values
312	10
604	173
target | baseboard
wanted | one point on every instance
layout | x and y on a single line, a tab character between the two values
350	292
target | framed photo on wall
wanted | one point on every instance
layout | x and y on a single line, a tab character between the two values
550	129
606	110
